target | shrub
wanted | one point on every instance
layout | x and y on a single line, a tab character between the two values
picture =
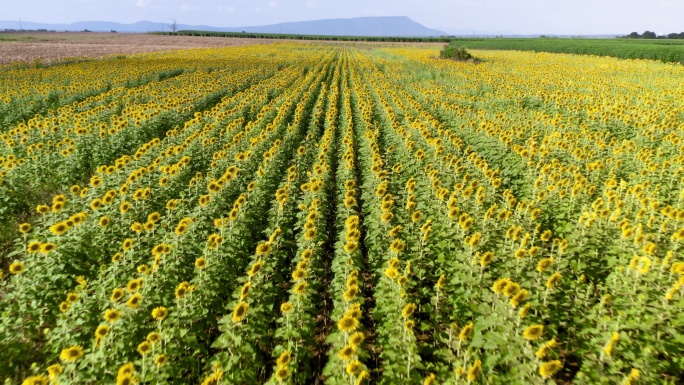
456	53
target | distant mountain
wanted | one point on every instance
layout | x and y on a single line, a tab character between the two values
360	26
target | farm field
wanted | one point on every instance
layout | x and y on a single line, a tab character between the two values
665	50
44	48
315	213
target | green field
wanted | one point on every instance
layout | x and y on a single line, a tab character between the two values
669	51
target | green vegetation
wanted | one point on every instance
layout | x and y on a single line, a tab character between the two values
669	51
251	35
457	53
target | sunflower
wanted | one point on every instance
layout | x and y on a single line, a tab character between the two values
408	310
548	369
153	337
64	306
182	289
17	268
263	248
71	354
354	311
161	360
134	301
282	373
124	207
348	324
354	367
397	246
126	370
256	267
144	348
201	263
300	288
347	352
101	331
552	282
72	297
33	247
284	358
409	324
544	264
474	370
299	274
127	244
46	248
36	380
25	228
159	313
104	221
391	272
286	307
59	228
533	332
55	370
43	209
117	294
351	293
466	331
351	247
356	339
386	217
240	312
500	284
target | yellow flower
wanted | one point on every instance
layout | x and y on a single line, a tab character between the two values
533	332
474	370
544	264
348	324
153	337
17	268
356	339
25	228
161	360
347	352
112	315
429	380
408	310
55	370
134	301
33	247
466	332
282	373
144	348
263	248
36	380
300	288
159	313
59	228
391	273
548	369
240	312
553	281
351	247
48	247
286	307
101	331
71	354
354	367
284	358
201	263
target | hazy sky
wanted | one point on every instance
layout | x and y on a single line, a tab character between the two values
453	16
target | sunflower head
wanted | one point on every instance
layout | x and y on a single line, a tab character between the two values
71	354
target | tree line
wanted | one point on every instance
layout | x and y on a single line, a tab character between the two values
653	35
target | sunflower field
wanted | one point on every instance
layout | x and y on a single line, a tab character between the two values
342	214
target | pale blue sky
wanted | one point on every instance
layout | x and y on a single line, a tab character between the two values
453	16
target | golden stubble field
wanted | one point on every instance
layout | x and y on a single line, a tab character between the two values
49	47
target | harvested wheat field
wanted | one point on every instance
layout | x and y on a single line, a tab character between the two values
48	47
